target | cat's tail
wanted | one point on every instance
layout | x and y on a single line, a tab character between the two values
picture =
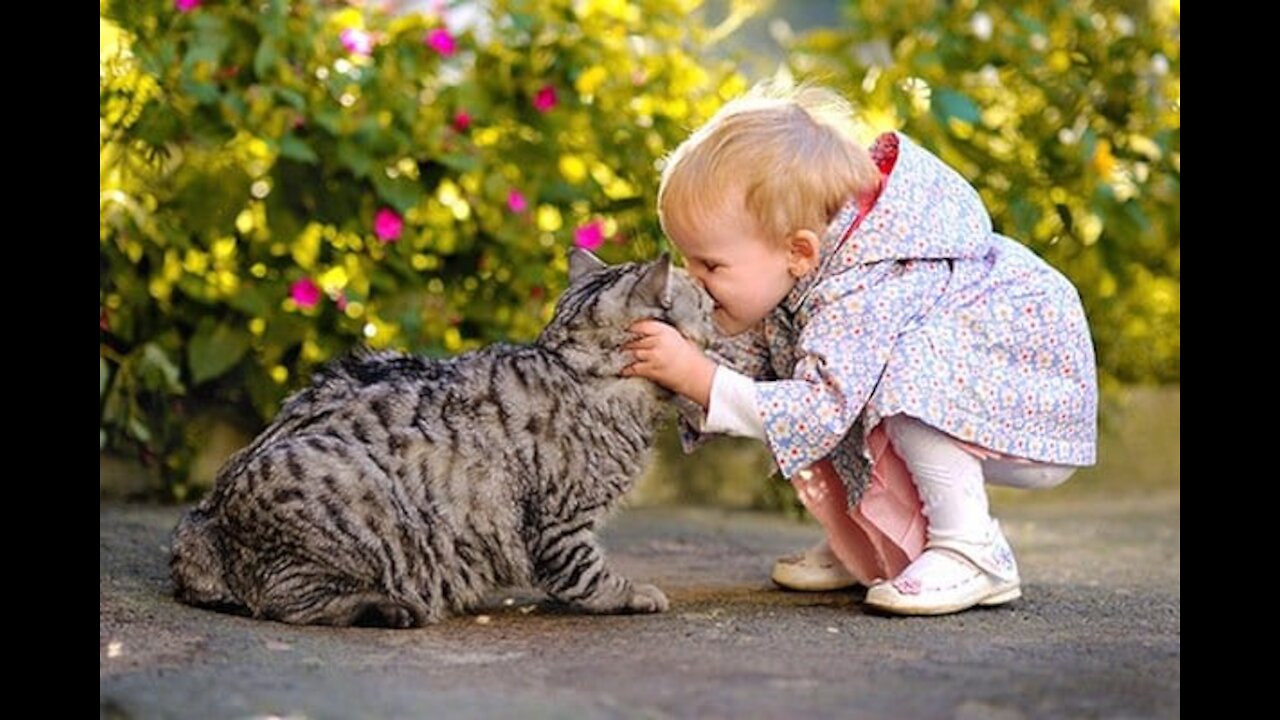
196	565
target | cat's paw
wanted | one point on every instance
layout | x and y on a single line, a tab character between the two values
647	598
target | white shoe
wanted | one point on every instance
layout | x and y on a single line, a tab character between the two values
816	569
951	576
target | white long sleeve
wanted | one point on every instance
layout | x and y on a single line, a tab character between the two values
732	409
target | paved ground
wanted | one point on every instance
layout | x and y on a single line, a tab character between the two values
1097	635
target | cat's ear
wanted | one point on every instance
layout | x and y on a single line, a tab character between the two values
654	286
583	262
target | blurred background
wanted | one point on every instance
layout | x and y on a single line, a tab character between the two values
283	181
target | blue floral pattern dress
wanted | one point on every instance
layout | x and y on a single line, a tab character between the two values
919	307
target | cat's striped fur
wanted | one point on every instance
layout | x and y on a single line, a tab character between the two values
397	489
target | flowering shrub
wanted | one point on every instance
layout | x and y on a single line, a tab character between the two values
282	181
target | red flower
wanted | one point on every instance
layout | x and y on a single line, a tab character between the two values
388	225
441	41
305	292
545	98
589	236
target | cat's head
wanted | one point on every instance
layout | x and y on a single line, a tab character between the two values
602	301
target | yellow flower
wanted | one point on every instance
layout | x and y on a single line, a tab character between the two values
333	280
573	168
195	262
591	80
223	248
452	339
549	219
306	248
1103	161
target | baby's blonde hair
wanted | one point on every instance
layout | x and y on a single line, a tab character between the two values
790	151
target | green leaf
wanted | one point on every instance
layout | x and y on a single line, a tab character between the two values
355	158
265	59
273	17
400	192
459	161
953	104
251	299
264	393
104	373
295	148
157	371
138	429
211	39
285	331
523	21
204	93
215	349
292	97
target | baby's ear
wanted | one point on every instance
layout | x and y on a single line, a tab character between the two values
583	262
804	248
654	286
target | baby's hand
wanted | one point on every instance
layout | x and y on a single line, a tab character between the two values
666	357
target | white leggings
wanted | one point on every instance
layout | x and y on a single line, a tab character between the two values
951	480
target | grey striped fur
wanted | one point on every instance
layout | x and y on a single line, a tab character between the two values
397	489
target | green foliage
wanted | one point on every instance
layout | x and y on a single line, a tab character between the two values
272	194
1066	116
282	181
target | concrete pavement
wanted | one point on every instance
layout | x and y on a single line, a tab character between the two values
1096	635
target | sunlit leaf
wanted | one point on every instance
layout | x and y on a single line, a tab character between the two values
294	148
214	349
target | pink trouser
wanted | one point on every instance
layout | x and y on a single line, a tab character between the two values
878	538
889	527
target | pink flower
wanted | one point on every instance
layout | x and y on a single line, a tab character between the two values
305	292
516	201
387	225
357	42
545	99
341	301
186	5
461	121
589	236
441	41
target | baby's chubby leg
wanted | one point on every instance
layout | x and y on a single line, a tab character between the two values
949	478
967	560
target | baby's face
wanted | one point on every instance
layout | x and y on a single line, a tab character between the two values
744	272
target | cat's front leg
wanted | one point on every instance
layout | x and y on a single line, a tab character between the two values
576	572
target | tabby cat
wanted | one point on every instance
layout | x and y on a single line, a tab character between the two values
397	489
